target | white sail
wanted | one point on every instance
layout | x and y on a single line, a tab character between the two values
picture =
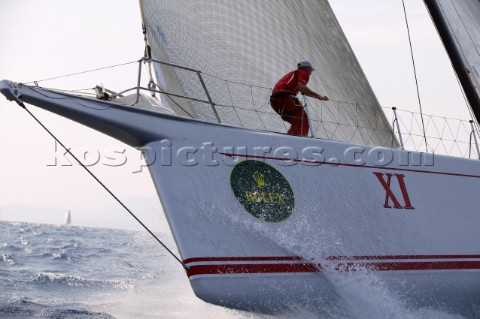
68	218
252	44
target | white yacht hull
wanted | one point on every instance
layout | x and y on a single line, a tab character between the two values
425	249
260	232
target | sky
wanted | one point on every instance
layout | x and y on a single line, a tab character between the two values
49	38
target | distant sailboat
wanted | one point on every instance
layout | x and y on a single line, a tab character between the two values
68	218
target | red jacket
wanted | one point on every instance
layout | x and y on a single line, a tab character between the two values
289	82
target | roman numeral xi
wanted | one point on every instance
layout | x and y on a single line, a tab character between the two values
386	182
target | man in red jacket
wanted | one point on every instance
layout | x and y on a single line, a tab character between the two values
285	102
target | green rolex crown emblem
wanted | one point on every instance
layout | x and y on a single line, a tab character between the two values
262	191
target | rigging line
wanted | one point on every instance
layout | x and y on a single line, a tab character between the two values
105	187
148	55
83	72
33	88
415	74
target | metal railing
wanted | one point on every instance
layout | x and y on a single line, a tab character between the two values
442	135
247	105
199	74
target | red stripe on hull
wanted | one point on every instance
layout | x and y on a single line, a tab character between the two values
350	165
313	267
393	257
251	269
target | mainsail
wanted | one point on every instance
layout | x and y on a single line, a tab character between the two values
458	23
243	47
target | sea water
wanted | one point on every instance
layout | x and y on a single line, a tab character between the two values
49	271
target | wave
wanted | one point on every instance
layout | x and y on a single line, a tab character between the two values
25	309
8	259
10	247
359	294
77	281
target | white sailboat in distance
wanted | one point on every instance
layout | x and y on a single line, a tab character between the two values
263	220
68	218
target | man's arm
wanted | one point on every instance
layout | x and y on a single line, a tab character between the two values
305	90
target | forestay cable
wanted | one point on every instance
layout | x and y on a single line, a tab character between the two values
415	74
106	188
82	72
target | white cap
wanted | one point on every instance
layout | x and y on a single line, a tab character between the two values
305	64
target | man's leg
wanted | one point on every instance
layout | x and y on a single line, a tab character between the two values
299	122
279	104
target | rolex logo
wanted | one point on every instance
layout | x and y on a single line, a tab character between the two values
272	201
259	178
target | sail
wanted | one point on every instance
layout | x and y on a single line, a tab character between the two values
68	218
242	48
458	23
